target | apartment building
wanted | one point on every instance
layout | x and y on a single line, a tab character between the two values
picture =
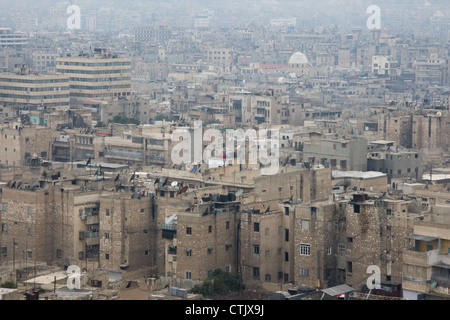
157	35
44	62
57	221
20	143
10	39
384	65
426	263
219	56
103	76
26	88
397	163
248	108
127	233
431	131
340	154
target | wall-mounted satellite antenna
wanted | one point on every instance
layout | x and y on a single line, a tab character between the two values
239	192
174	184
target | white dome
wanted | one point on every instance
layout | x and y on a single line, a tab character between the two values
298	58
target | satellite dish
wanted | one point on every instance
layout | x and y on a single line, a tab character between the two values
174	184
239	192
434	284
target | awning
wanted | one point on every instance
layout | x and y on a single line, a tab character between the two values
421	238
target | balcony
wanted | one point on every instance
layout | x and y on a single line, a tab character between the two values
92	219
422	259
92	238
169	230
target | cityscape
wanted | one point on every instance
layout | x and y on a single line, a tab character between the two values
225	150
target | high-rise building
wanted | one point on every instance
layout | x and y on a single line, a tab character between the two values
101	76
9	39
24	87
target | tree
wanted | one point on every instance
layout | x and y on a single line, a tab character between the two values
220	283
124	120
11	284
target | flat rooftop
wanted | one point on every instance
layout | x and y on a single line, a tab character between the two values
335	174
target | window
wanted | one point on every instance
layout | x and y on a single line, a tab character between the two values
256	249
29	254
188	230
256	226
349	267
4	227
107	212
286	256
209	229
286	234
256	272
4	251
356	208
329	250
106	235
267	277
189	253
304	272
266	231
341	248
209	251
188	275
106	256
80	255
286	211
146	252
429	247
227	225
305	249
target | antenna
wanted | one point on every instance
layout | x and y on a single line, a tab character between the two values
174	184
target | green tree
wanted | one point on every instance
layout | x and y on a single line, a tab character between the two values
11	284
220	283
124	120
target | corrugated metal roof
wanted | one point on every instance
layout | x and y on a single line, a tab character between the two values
421	238
337	290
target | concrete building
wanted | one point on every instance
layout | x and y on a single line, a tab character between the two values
44	62
341	154
426	263
9	39
20	144
25	88
103	76
384	65
397	163
58	221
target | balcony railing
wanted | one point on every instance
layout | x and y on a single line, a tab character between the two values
91	234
